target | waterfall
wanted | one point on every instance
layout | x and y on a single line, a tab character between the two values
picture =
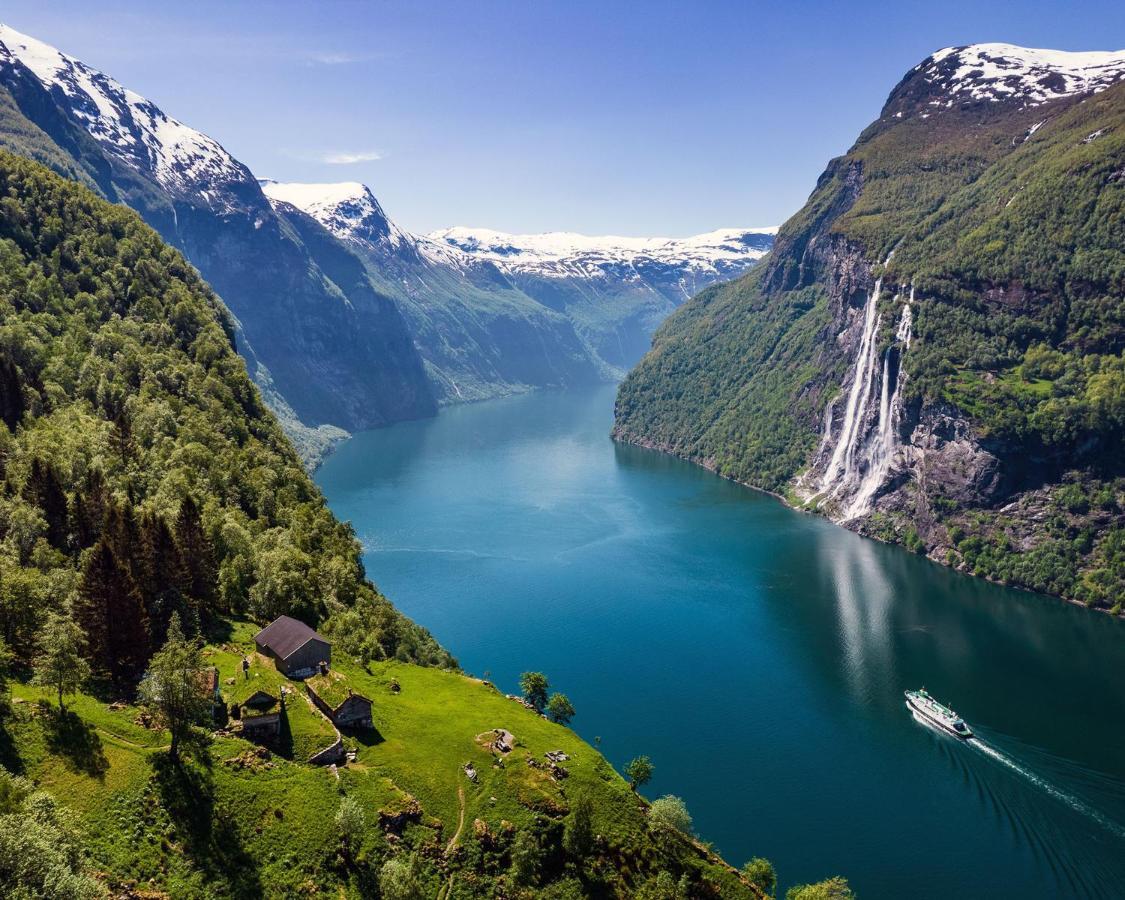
843	454
880	447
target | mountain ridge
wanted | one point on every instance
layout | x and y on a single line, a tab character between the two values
883	367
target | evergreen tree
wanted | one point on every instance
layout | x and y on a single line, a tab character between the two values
59	663
174	689
45	491
91	504
12	404
121	438
6	658
578	833
112	613
201	571
160	576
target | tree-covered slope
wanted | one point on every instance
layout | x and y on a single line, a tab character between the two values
933	351
323	353
142	474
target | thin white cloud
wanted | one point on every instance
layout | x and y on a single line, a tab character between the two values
350	159
339	58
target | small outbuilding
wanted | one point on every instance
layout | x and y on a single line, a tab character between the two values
297	650
261	715
332	696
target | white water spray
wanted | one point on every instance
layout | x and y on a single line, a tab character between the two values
1070	800
839	466
880	447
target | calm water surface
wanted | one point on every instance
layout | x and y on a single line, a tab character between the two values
758	655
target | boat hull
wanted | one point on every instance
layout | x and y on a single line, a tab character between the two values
924	716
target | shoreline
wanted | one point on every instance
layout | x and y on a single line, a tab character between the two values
709	465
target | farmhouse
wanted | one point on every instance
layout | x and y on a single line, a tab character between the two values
261	715
332	696
296	648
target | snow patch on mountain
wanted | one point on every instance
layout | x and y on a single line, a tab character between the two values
184	161
995	72
348	209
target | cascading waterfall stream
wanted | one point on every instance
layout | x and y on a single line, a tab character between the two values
843	455
861	457
880	447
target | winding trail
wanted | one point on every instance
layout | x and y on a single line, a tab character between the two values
460	823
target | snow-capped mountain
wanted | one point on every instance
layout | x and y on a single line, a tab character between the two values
716	255
615	290
348	209
326	348
992	73
185	162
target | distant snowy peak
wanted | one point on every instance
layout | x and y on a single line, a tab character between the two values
183	160
556	252
1005	72
348	209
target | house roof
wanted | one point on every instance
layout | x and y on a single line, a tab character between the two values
285	635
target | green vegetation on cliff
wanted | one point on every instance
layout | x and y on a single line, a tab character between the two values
1009	223
142	474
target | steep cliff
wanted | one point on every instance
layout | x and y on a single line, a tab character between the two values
327	353
932	353
478	335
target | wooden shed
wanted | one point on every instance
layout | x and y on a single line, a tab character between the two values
339	702
296	648
261	715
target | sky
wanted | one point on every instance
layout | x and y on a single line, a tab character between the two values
632	118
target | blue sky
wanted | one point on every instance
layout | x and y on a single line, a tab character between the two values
603	117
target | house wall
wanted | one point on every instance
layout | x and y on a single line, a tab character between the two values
256	726
355	712
307	656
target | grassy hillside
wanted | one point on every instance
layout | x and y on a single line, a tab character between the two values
1010	224
238	822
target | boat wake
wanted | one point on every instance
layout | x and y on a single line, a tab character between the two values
1046	786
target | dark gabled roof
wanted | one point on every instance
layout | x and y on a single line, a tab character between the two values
285	635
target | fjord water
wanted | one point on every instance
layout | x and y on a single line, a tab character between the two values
757	654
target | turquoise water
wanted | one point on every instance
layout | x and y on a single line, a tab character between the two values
757	654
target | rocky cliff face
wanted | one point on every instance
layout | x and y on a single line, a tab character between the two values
932	352
327	353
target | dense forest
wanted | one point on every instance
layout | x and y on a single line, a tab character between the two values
142	474
1008	224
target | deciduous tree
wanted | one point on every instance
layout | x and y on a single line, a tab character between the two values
174	690
560	709
60	664
639	772
534	687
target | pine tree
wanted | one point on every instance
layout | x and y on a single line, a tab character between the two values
160	576
198	555
46	491
121	438
59	663
174	689
91	503
112	614
12	404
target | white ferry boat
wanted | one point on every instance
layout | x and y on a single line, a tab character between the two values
928	711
